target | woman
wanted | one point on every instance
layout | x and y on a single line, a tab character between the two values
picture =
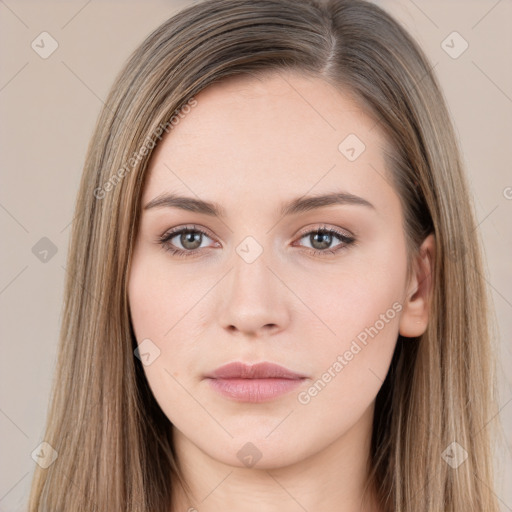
282	301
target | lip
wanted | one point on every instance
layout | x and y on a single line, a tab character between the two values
260	382
264	370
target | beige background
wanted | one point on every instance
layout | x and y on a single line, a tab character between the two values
48	108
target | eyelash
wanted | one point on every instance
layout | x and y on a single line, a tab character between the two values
164	241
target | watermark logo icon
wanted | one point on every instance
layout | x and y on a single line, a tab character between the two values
44	250
249	455
454	455
454	45
44	455
351	147
249	249
147	352
456	249
44	45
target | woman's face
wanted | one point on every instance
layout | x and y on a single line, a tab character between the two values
261	285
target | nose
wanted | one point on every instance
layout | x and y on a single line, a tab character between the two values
253	301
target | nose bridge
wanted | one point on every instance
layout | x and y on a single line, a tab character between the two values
250	276
252	297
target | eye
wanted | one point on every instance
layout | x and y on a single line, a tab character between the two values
321	240
190	238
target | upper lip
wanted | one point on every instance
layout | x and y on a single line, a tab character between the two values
265	370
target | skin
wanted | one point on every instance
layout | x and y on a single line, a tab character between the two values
252	144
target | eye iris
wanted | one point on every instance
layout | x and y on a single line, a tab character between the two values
191	237
325	240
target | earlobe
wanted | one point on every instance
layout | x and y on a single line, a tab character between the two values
415	314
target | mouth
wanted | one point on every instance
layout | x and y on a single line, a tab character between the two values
260	382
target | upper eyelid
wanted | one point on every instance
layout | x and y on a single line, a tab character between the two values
176	231
324	227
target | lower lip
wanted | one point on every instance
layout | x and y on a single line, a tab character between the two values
253	390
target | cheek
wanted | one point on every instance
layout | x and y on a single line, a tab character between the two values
160	297
147	305
361	307
152	309
355	295
163	304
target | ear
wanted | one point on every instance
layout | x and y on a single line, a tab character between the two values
415	313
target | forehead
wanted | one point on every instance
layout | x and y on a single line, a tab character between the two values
284	134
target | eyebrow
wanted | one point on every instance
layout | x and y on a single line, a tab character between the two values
298	205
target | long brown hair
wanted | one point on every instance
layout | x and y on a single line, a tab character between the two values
114	443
